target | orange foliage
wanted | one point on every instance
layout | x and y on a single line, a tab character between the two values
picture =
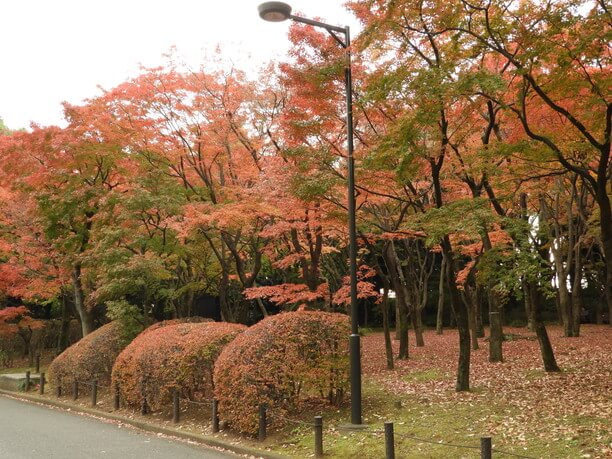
282	361
285	294
91	357
171	356
14	319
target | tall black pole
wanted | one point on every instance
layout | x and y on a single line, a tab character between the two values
355	345
279	11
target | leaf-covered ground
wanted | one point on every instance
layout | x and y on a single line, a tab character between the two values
525	410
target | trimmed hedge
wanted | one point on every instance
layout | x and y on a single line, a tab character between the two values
282	361
184	320
179	356
91	357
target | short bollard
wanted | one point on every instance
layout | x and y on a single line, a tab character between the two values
58	389
389	441
75	390
116	398
485	448
318	436
37	364
27	381
176	413
144	408
41	385
262	422
94	392
215	415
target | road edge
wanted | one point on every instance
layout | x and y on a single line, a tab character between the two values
145	426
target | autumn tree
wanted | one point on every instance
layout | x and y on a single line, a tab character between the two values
17	321
558	56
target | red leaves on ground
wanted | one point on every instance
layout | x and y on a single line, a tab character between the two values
551	406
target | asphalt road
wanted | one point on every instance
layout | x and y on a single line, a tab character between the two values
31	431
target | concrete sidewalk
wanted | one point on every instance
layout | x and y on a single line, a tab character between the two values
28	430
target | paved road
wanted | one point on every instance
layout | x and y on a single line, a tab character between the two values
31	431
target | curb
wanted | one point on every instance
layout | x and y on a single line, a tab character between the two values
147	426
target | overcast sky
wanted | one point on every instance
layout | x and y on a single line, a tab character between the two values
62	50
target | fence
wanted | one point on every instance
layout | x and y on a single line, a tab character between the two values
486	445
390	435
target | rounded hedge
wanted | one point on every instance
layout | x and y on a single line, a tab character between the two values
184	320
282	362
179	356
91	357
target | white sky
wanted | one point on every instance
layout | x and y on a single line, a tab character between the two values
62	50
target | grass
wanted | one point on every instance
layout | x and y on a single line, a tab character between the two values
419	430
18	370
432	374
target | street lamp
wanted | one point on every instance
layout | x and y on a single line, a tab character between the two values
277	12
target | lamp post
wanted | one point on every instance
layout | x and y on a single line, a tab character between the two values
277	12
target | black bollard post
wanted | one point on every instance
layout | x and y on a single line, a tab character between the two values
144	408
58	389
94	392
27	381
37	364
176	414
215	415
389	441
75	390
262	422
116	398
318	436
486	448
41	386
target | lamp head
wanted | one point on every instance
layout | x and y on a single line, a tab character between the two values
274	11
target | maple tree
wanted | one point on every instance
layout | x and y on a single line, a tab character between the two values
17	321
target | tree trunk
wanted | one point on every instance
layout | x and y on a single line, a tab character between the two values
496	335
565	301
469	299
395	275
262	307
548	356
480	333
576	298
527	302
398	315
189	305
226	312
386	330
461	316
85	316
384	307
28	347
417	325
63	339
440	314
605	228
